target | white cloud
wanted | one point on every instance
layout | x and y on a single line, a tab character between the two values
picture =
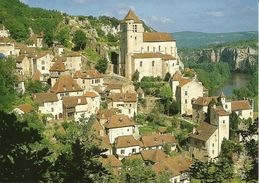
158	19
24	1
215	13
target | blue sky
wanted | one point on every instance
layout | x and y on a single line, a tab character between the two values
168	15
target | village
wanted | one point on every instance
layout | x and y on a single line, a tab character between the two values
77	94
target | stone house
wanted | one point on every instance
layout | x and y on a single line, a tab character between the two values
24	65
177	166
151	53
126	146
48	103
37	41
89	79
73	62
104	114
66	86
112	162
7	47
157	141
125	102
185	90
75	107
56	70
120	125
243	108
42	61
4	32
58	50
94	101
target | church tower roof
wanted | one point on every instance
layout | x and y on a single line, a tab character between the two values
222	95
132	16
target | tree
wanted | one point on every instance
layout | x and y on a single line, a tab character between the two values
8	80
48	38
63	36
36	87
135	76
19	161
102	65
134	171
234	122
79	40
250	140
167	77
165	94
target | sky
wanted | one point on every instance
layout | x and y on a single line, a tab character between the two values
168	15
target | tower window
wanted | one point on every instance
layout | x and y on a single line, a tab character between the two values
140	64
153	63
223	121
154	49
159	48
147	48
185	101
135	28
135	37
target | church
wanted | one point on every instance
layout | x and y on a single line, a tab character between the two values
149	53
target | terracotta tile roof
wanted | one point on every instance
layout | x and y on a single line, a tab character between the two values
58	66
72	101
240	105
59	59
101	139
174	165
24	49
38	55
222	95
161	129
204	101
154	155
113	86
157	140
6	40
157	37
90	94
107	113
36	76
118	121
123	97
112	161
97	127
204	131
25	108
41	98
221	111
20	58
132	16
65	83
126	141
153	55
182	80
88	74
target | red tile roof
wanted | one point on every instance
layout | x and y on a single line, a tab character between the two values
65	83
126	141
58	66
240	105
132	16
88	74
25	108
90	94
157	140
154	155
72	101
153	55
157	37
41	98
123	97
204	131
119	121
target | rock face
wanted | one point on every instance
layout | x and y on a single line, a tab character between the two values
234	56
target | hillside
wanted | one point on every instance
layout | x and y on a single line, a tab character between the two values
197	39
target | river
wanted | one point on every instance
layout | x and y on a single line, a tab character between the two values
236	80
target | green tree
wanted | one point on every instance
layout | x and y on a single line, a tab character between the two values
102	65
18	158
8	80
165	93
167	77
49	38
36	87
134	171
135	76
63	36
79	40
234	121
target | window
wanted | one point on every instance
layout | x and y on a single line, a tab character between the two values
135	28
140	64
154	49
223	121
122	151
135	38
147	48
159	48
127	129
212	151
42	62
153	63
43	68
185	101
165	50
186	93
52	109
226	106
133	150
173	64
212	144
83	81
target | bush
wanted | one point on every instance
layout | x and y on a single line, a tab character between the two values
102	65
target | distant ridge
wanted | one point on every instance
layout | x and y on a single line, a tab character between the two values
189	39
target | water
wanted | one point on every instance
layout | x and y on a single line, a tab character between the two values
236	80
